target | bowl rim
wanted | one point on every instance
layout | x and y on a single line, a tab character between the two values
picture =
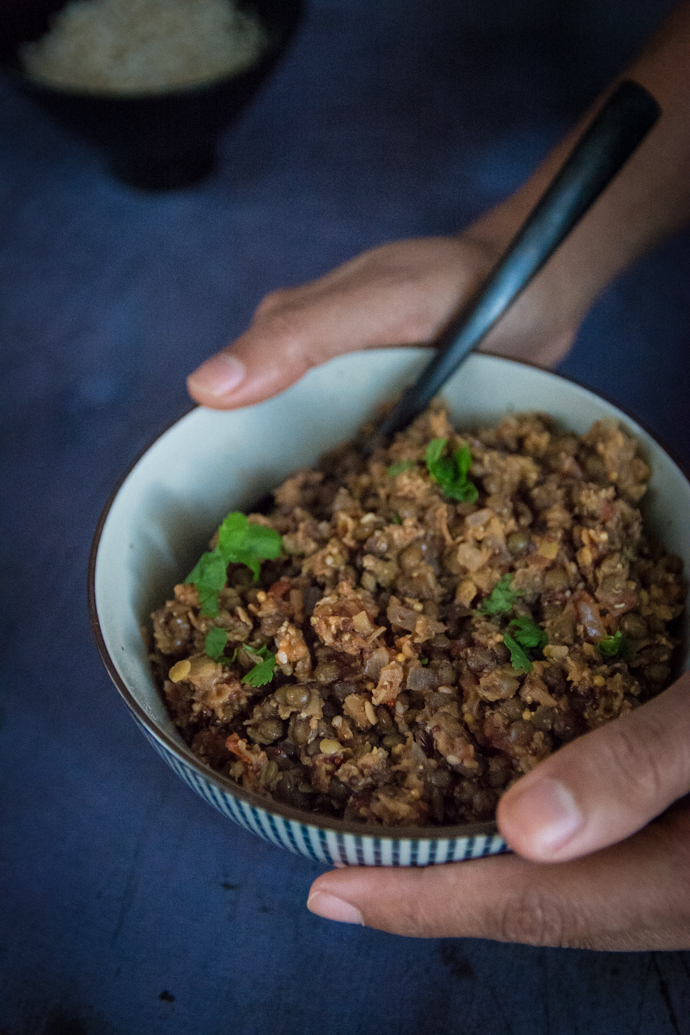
184	754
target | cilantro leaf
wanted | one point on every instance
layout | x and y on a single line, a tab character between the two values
502	598
264	542
215	642
402	465
434	452
615	646
523	635
208	575
396	519
450	473
463	459
611	645
262	673
232	528
518	658
527	633
240	542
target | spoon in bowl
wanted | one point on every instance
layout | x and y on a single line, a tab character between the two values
600	153
603	149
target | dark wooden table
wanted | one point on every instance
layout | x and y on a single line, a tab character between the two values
127	905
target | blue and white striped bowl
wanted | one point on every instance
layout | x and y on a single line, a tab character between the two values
165	509
328	841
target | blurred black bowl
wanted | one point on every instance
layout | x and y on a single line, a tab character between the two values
163	141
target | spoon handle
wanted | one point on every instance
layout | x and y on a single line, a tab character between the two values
605	146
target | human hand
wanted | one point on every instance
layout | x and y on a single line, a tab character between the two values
588	874
404	293
397	294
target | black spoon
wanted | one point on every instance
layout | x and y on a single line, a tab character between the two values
603	149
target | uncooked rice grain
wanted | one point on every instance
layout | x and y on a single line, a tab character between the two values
129	47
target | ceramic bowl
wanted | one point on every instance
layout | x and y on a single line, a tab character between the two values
164	141
161	516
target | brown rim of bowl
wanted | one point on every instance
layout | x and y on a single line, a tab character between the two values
185	755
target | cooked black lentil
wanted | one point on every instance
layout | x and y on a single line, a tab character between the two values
394	698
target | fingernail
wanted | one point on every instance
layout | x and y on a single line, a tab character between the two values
218	375
332	908
548	812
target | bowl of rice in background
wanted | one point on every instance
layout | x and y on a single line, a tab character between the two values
165	510
152	83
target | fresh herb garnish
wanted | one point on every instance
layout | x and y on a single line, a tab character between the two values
423	661
262	672
239	542
524	635
209	575
615	646
518	658
216	640
243	543
402	465
450	472
527	633
396	519
501	599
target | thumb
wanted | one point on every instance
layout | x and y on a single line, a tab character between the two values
632	895
603	787
398	294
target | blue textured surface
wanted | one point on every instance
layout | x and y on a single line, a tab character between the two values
126	904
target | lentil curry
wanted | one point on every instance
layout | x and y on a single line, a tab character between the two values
409	633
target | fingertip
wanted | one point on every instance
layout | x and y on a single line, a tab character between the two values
321	903
540	818
215	381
